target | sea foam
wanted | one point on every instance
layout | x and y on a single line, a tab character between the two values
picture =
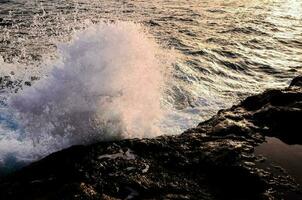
106	84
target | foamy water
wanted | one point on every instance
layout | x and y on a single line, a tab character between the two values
107	84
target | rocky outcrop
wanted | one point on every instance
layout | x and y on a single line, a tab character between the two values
215	160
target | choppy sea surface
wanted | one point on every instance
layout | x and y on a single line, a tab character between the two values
119	69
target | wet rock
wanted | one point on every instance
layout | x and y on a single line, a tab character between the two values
296	82
214	160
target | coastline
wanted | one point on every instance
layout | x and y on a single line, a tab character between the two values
214	160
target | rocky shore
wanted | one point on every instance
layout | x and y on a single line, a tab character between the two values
215	160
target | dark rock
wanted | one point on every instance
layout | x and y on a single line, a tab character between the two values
296	81
215	160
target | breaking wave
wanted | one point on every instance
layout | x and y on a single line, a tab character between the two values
106	84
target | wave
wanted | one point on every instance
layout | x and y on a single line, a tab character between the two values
107	84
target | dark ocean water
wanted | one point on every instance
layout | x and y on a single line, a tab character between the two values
221	52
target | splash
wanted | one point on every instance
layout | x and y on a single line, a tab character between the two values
107	84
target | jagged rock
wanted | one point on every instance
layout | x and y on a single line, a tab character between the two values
215	160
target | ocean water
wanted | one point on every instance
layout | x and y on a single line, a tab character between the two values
124	69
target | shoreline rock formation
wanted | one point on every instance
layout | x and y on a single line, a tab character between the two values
215	160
